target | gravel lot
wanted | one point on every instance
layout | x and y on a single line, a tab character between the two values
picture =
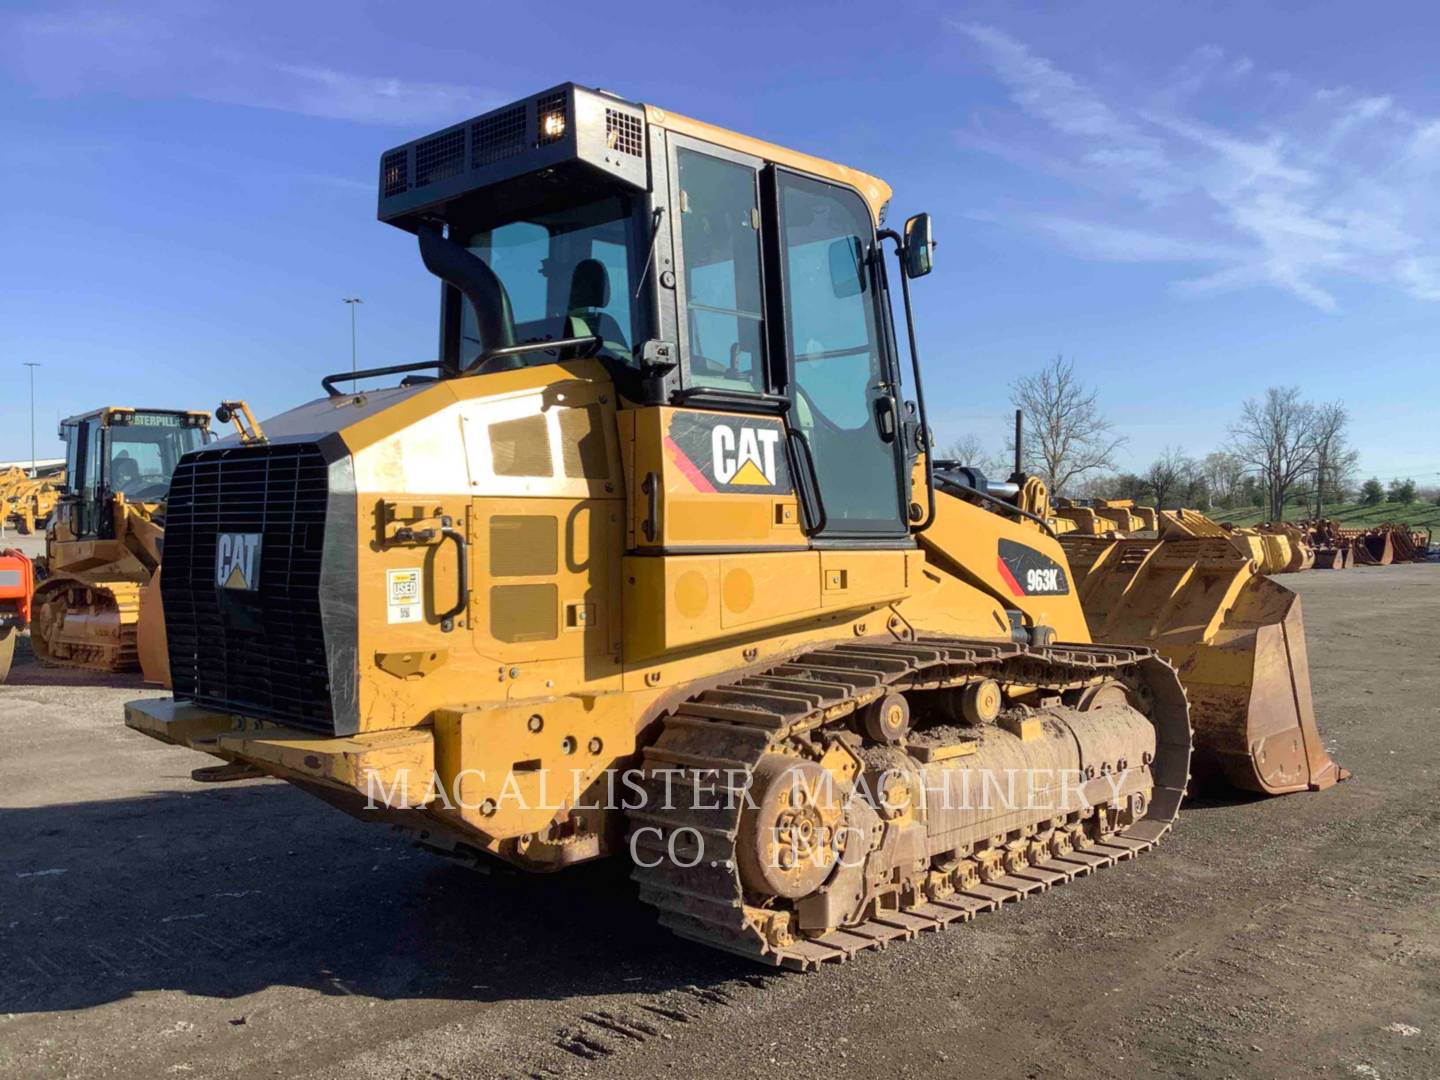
151	926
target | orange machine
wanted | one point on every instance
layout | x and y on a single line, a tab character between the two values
17	585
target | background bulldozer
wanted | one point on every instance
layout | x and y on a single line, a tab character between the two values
95	607
1200	596
26	501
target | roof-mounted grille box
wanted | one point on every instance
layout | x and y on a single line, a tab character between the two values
563	126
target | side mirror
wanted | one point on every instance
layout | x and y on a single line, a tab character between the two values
919	247
847	276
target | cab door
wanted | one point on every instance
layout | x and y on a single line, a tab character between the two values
842	384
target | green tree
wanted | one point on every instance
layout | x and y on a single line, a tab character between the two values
1402	491
1371	492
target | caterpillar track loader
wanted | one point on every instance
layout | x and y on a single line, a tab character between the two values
650	564
95	607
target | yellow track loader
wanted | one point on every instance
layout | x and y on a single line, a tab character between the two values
650	562
95	607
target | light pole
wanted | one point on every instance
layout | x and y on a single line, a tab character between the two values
32	365
352	301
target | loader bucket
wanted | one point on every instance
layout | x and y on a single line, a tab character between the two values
1250	699
1237	639
150	640
1381	547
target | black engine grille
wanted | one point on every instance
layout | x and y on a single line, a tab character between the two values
258	653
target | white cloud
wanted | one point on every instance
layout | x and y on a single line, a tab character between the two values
101	50
1117	243
338	95
1300	190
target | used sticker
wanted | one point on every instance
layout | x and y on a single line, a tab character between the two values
403	602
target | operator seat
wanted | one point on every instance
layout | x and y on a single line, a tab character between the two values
589	294
124	473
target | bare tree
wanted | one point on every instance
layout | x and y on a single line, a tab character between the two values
1196	488
1066	436
1168	474
1276	439
969	450
1224	475
1334	461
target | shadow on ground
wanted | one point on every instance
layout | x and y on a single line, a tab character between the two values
225	891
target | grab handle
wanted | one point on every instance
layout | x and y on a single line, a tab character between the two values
462	550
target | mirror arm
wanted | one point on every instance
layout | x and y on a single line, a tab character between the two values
925	446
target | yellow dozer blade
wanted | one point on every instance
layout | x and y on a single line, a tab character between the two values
1237	639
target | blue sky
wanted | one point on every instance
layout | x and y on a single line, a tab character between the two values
1192	201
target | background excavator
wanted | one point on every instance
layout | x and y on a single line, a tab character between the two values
94	606
651	562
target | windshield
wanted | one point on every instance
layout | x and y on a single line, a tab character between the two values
145	451
568	273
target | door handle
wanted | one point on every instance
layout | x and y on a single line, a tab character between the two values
807	480
885	417
650	527
462	554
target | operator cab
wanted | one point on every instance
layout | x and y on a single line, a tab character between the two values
704	269
126	452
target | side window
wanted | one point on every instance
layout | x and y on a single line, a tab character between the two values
93	456
74	457
720	237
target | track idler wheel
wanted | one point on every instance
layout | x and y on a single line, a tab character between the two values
789	838
888	720
981	701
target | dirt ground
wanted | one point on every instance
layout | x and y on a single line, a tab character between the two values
151	926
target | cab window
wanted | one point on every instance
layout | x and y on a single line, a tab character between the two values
720	238
567	273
